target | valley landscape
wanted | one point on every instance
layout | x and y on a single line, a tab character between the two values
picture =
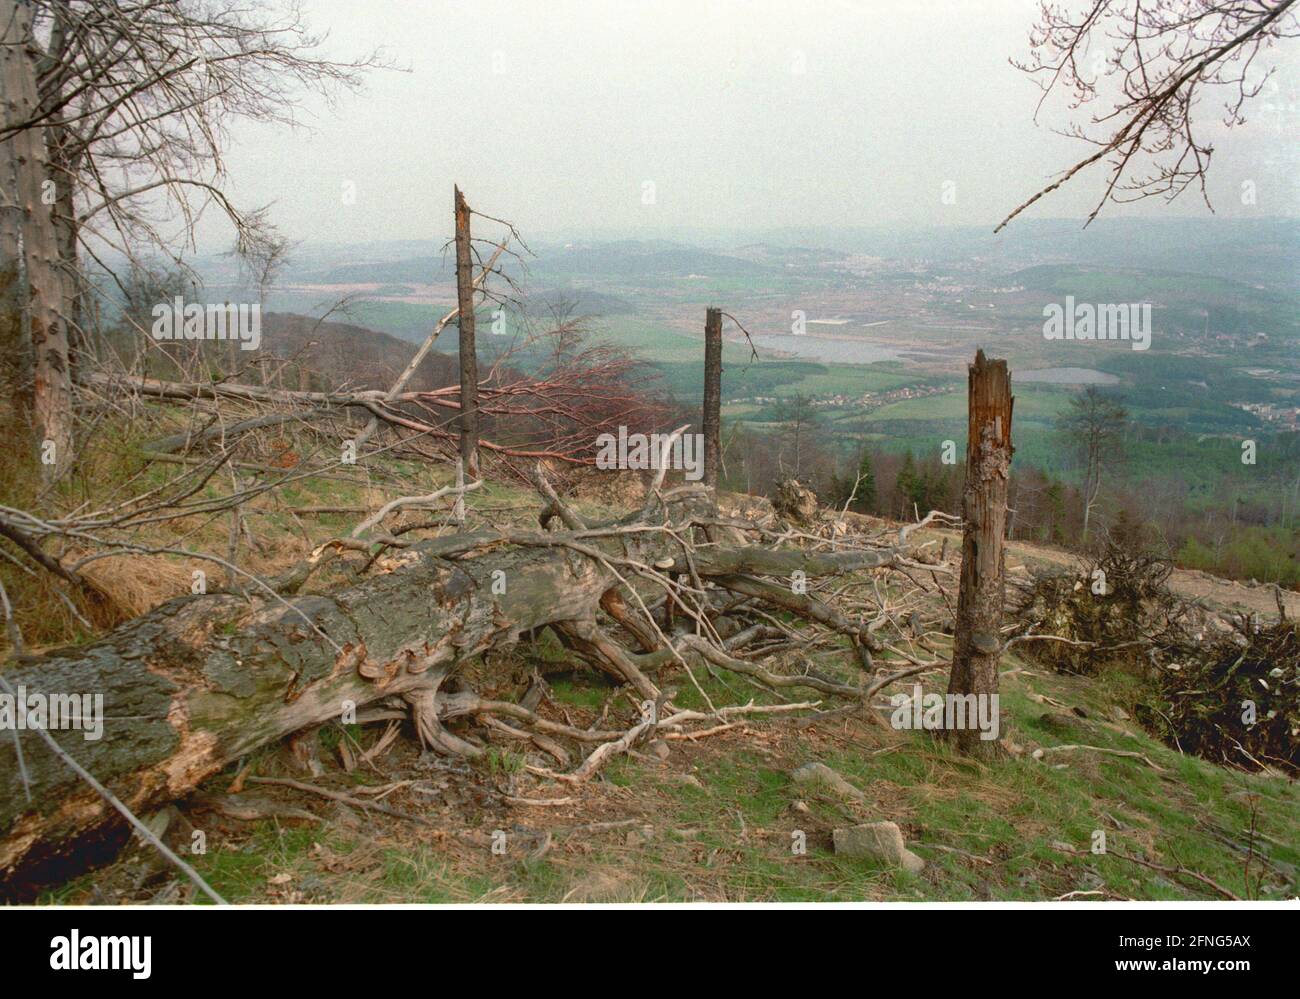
888	321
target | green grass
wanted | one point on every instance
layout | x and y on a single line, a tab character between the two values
729	831
651	341
1032	405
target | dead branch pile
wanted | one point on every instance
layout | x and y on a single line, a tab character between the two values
1115	610
555	414
1228	691
794	501
671	589
1234	699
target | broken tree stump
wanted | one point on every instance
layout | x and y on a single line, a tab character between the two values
467	422
978	641
711	422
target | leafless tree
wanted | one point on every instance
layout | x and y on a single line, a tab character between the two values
1093	427
1145	65
130	116
799	425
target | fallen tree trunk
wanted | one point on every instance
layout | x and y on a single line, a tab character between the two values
201	681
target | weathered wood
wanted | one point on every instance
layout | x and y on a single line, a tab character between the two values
203	680
16	359
467	422
711	422
46	281
977	643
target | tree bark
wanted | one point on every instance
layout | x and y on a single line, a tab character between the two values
468	420
978	642
45	291
711	424
63	153
16	403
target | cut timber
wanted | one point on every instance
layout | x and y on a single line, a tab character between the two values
978	642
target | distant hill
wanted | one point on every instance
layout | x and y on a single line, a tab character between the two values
585	301
653	259
345	354
641	258
1233	305
416	270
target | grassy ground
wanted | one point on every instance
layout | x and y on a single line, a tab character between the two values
719	821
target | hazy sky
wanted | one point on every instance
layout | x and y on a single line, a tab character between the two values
558	114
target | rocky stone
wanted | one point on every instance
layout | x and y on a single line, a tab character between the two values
881	841
639	836
1060	722
820	773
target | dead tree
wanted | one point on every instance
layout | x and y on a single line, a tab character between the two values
46	298
978	640
712	418
1153	64
468	420
1093	427
113	129
205	679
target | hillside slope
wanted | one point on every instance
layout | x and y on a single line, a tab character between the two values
721	818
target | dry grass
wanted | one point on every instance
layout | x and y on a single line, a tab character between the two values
132	585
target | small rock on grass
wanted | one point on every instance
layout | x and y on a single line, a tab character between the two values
820	773
639	836
689	779
879	840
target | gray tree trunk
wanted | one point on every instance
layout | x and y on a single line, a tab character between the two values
468	423
45	279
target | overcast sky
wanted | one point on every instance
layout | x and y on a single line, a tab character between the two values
559	114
